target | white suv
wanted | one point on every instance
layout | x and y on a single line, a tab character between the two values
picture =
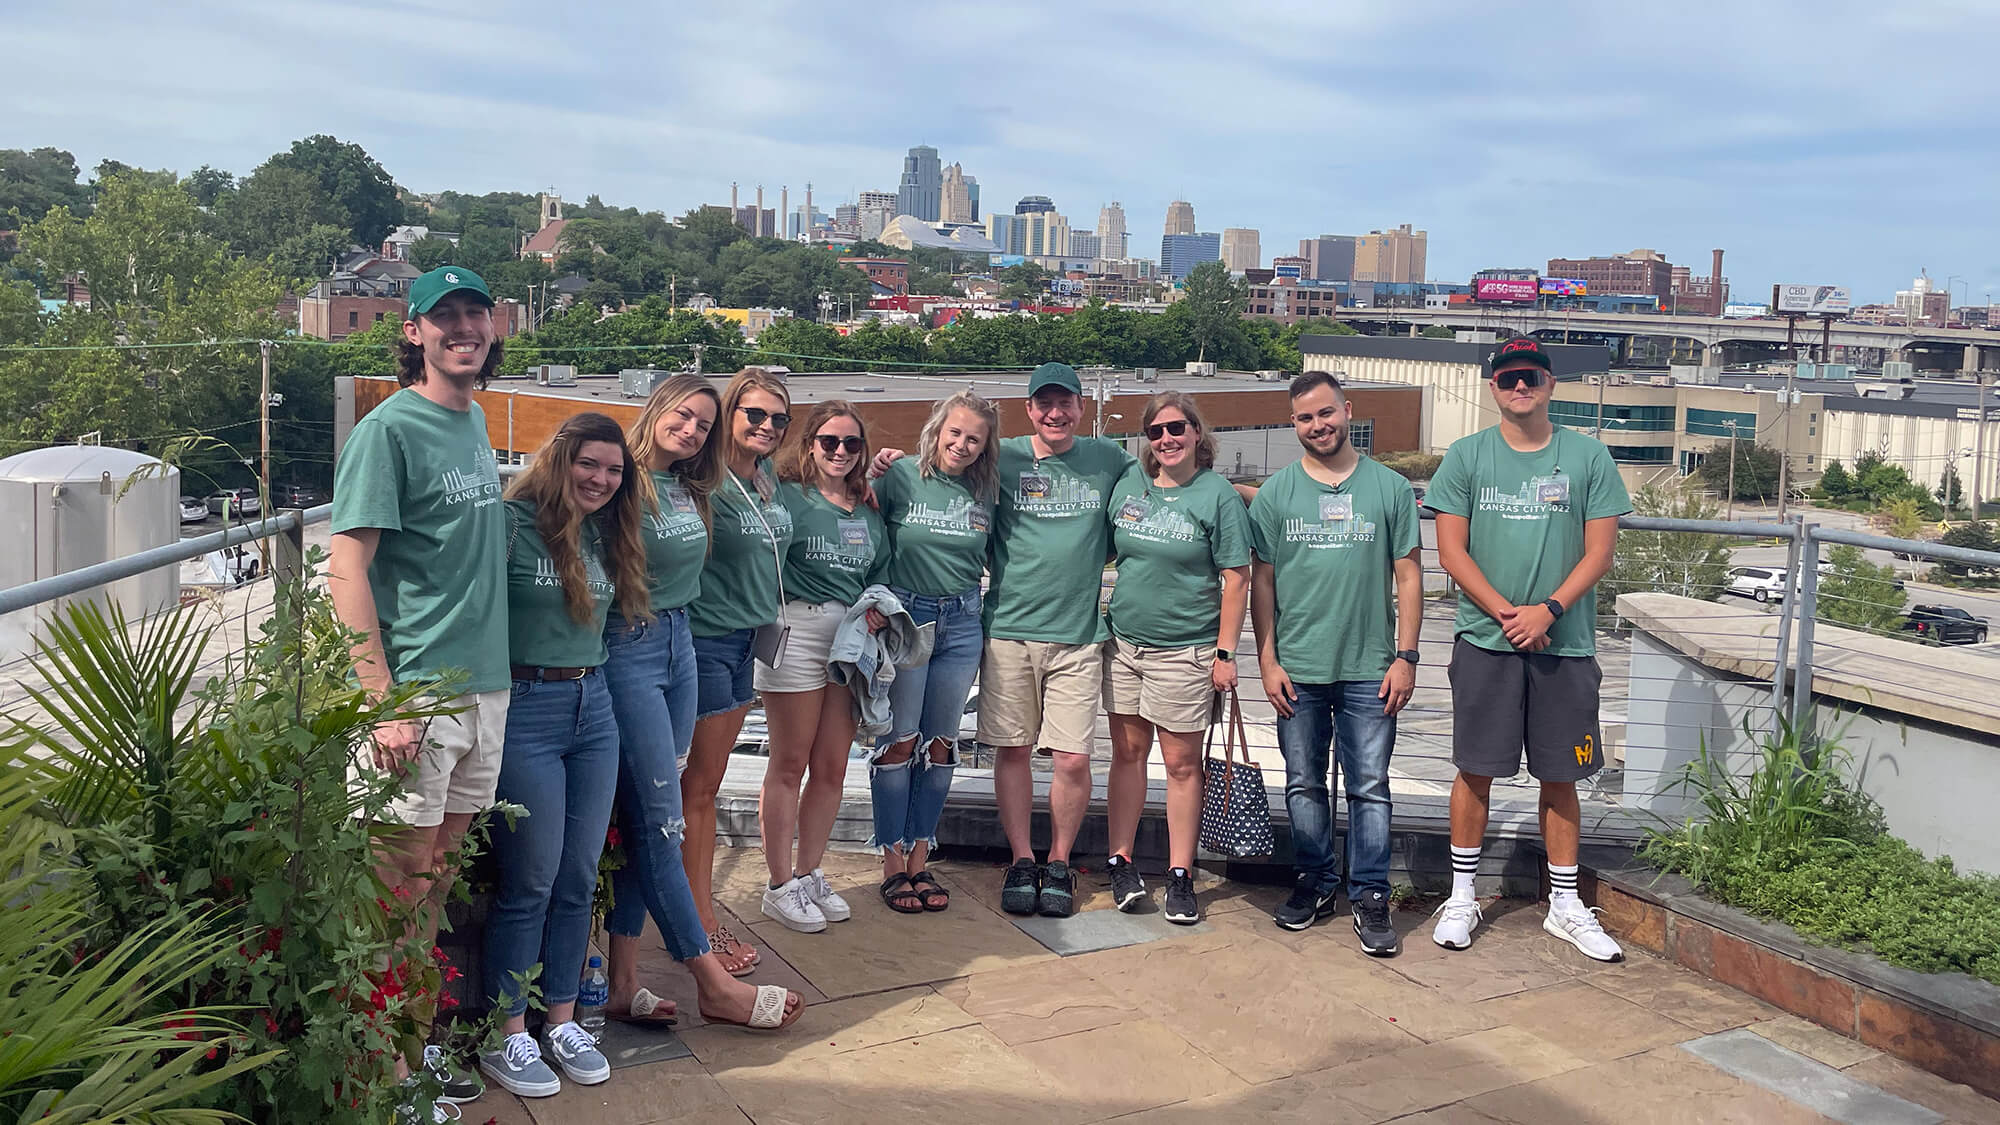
1764	583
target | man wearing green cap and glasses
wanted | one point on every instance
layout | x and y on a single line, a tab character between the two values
417	570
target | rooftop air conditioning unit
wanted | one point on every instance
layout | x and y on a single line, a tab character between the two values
1269	376
638	382
555	375
1201	370
1149	374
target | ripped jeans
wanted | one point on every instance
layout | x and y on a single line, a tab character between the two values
927	703
652	679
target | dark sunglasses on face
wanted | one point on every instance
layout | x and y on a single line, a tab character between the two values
1158	430
1508	380
757	416
829	443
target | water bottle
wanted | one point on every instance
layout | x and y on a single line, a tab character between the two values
591	998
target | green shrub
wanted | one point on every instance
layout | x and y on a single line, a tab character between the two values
1412	464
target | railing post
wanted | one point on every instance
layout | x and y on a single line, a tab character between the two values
1786	607
1808	608
288	558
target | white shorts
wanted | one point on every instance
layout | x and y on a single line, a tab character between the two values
458	769
802	667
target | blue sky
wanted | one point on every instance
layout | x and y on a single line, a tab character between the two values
1825	142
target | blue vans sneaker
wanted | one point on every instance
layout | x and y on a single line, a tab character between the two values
518	1068
576	1052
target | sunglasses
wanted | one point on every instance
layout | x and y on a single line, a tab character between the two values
1508	380
1158	430
828	444
757	416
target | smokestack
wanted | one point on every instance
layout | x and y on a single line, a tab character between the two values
1715	285
757	220
806	228
784	210
732	199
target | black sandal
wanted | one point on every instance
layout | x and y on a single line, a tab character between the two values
896	890
923	879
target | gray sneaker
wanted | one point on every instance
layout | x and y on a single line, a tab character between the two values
518	1067
576	1052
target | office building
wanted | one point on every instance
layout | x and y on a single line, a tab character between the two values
1641	273
922	186
1180	217
1030	204
1111	241
1240	249
1043	233
1007	232
847	218
873	211
1084	244
1922	304
1298	268
1395	256
1287	299
1330	257
957	204
1181	253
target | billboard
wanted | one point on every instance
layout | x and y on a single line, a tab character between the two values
1504	289
1564	287
1813	300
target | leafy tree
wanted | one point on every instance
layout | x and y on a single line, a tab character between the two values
1438	332
1690	564
1756	470
35	182
1975	535
282	216
1025	282
1904	517
348	178
207	186
1835	483
1215	304
431	252
789	341
1881	482
1856	593
1284	351
1949	491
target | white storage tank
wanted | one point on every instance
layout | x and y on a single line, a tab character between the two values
64	507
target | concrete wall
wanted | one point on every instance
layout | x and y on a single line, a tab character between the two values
1921	445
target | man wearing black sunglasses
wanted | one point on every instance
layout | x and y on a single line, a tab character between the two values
1527	523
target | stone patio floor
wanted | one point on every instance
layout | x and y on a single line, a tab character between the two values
966	1016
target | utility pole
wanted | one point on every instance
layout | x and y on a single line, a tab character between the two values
1732	471
1979	448
264	420
1785	454
698	348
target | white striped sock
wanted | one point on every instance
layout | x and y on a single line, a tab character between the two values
1464	866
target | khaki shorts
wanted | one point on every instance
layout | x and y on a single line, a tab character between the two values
802	666
1040	694
1171	688
459	767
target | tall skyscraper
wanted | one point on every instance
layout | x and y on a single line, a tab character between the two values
847	218
1111	232
1084	244
1030	204
1044	233
956	203
1180	217
1240	249
1394	256
1181	253
876	208
922	185
1330	257
1008	232
972	191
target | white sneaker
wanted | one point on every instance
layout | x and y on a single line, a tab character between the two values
791	903
831	905
1575	923
1455	922
575	1050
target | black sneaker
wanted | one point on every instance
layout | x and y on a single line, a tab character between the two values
460	1084
1127	889
1021	893
1058	898
1306	906
1182	910
1372	925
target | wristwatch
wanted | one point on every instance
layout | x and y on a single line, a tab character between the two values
1408	654
1224	654
1554	607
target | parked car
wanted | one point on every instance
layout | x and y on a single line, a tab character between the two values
1764	583
1945	625
297	496
193	510
235	502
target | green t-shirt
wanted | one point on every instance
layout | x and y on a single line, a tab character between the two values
540	630
834	554
739	586
1333	551
1050	541
937	531
1173	545
424	476
676	545
1527	512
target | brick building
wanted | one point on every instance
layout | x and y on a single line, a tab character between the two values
1288	300
1642	273
890	275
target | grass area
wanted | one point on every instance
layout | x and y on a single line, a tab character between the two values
1793	841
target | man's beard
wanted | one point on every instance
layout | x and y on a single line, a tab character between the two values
1340	443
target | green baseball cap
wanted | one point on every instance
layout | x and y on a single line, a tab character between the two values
1054	375
428	290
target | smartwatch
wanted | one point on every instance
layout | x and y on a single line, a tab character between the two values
1554	607
1408	654
1224	654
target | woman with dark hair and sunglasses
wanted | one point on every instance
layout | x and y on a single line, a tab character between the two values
1183	551
838	546
739	595
573	525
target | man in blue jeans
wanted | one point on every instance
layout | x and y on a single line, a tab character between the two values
1336	543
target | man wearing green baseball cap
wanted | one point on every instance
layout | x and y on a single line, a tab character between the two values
417	570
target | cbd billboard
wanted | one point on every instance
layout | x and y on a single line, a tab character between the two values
1812	300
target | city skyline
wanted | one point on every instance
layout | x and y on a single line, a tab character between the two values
1511	137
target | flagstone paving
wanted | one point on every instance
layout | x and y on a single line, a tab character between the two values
964	1017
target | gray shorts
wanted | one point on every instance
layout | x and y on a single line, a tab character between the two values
1504	701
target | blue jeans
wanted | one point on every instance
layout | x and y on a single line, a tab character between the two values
926	703
1349	716
722	672
561	764
652	680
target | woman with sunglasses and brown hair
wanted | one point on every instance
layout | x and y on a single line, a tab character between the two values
573	547
651	673
838	546
739	595
1183	549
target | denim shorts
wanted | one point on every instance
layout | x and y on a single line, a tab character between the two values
722	667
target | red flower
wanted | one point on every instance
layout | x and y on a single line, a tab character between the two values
611	837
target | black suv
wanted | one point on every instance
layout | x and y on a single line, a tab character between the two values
1945	625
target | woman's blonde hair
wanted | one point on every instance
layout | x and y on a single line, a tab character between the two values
700	473
982	477
746	380
796	461
1204	446
545	484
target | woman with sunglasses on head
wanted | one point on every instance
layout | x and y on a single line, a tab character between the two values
1183	553
651	674
750	531
838	546
573	547
938	507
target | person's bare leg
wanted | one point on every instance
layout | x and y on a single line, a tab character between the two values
1561	822
793	715
1069	800
894	861
826	776
723	997
708	760
1469	796
1182	756
1125	787
1014	793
